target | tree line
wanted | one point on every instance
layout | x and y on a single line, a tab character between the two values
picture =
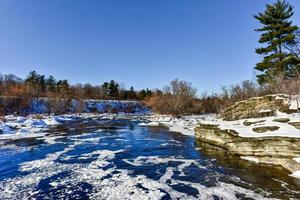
36	85
17	95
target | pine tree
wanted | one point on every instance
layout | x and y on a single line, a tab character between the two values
278	32
32	80
113	88
62	86
105	88
51	83
142	94
42	83
131	93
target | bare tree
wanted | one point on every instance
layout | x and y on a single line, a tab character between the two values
177	98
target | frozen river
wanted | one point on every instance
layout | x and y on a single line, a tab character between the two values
118	159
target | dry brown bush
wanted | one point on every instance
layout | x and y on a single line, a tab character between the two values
179	97
285	86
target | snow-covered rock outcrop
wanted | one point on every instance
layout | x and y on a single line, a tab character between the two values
264	106
264	129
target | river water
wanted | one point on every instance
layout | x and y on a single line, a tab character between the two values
118	159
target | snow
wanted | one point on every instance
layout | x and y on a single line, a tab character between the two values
63	118
285	129
297	159
4	128
264	111
35	123
24	125
23	131
294	102
250	158
21	135
9	118
184	124
296	174
181	129
20	119
149	124
51	121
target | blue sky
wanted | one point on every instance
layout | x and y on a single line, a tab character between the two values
143	43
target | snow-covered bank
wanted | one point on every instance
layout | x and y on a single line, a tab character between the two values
273	123
48	105
281	125
287	124
183	124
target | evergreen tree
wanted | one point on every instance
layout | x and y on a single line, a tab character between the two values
32	78
142	94
131	93
62	86
42	83
294	48
278	32
105	88
148	93
33	81
113	88
51	84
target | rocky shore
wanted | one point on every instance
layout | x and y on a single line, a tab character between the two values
262	130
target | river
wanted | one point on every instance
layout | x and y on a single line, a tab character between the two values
118	159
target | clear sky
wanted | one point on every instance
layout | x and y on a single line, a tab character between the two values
143	43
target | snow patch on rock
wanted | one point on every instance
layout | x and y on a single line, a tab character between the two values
250	158
296	174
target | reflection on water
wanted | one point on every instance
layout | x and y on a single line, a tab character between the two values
117	159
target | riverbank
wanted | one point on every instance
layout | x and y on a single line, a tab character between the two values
43	105
262	130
